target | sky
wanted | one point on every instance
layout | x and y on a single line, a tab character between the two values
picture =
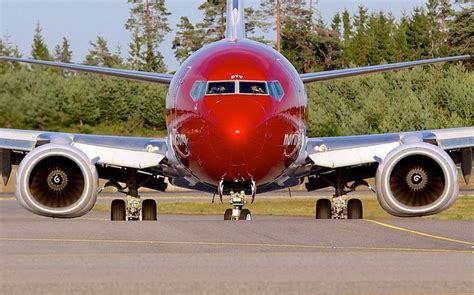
83	20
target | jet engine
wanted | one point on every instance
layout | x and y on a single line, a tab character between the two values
57	180
417	179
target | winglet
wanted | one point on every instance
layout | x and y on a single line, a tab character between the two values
235	27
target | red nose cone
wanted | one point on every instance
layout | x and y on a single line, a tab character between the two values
237	131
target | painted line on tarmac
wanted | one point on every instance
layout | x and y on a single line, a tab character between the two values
419	233
198	243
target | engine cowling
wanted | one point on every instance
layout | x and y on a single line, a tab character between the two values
58	181
417	179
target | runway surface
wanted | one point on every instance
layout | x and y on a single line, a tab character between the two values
205	255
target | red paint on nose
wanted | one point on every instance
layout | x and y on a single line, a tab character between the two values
237	130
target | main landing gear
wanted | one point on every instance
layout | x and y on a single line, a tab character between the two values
338	207
132	208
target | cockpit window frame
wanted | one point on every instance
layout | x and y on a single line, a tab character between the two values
220	81
198	90
275	90
253	81
237	87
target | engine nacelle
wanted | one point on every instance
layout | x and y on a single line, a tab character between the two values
57	180
417	179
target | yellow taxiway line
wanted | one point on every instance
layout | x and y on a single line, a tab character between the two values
419	233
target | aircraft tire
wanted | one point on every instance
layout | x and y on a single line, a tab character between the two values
149	210
354	209
228	214
117	210
323	209
245	215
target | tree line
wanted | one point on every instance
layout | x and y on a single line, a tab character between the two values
434	97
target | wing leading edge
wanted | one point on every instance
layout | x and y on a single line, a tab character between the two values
346	151
121	73
336	74
131	152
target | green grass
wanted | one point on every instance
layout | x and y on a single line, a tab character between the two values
462	210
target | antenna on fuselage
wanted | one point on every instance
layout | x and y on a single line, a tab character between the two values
235	27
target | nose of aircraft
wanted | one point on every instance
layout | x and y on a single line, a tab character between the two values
237	132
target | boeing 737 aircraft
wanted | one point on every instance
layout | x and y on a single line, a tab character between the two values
236	120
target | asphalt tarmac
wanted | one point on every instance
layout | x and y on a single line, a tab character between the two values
206	255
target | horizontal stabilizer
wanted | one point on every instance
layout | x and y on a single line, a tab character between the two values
336	74
128	74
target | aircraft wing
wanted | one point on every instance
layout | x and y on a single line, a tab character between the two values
336	74
122	73
129	152
350	151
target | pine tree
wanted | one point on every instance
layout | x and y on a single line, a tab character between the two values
336	24
418	34
63	52
39	50
214	22
461	33
148	21
99	54
359	44
136	60
347	26
402	50
7	49
380	39
434	29
187	40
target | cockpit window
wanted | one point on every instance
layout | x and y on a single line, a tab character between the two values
224	87
253	87
198	90
275	90
272	88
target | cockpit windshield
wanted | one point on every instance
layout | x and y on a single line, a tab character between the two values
271	88
222	87
253	87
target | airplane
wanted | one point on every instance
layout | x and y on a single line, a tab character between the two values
236	123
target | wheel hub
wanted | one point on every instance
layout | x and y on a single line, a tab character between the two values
417	179
57	180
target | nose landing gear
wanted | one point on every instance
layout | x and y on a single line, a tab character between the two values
238	201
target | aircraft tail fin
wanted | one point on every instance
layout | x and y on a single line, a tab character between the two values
235	27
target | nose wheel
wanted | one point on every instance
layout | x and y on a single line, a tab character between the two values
245	214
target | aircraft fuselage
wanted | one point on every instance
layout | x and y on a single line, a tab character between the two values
236	111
